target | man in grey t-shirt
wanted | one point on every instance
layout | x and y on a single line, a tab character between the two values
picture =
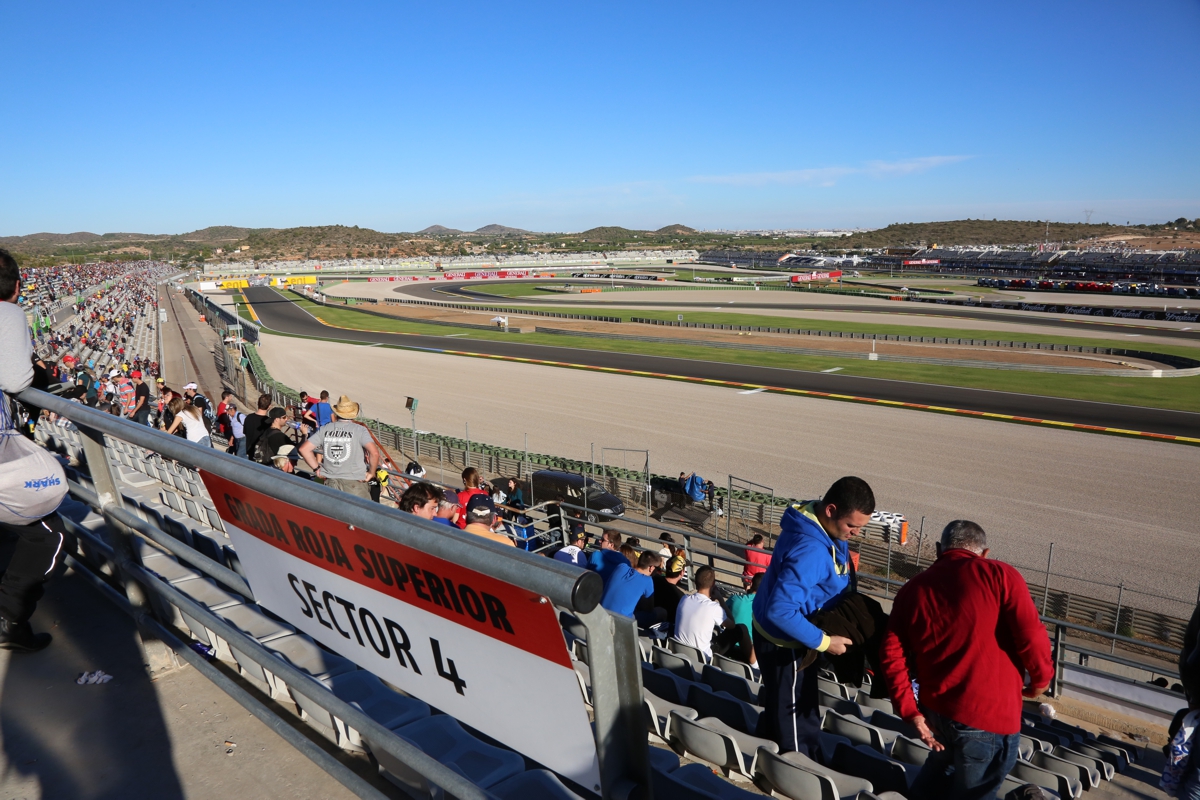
349	455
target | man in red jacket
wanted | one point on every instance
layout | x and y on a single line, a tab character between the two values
966	631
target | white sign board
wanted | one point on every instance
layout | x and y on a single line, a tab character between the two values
486	652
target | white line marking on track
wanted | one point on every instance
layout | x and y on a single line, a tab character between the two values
834	369
754	391
452	335
375	345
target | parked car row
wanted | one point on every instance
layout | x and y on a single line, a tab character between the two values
1118	287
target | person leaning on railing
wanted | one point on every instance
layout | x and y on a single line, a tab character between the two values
39	541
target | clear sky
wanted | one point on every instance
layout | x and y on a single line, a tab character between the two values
166	117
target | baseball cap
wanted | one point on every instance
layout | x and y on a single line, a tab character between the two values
160	380
137	373
675	566
480	508
450	496
113	374
283	453
276	413
187	386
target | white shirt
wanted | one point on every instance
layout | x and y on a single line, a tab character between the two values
572	555
193	427
695	620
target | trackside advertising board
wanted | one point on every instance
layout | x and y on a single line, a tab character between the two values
484	651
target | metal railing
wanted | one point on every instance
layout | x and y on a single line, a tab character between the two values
614	668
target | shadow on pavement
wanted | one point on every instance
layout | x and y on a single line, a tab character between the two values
63	740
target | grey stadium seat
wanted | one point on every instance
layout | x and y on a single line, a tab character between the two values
858	731
677	664
733	666
735	685
796	776
1064	787
710	740
445	740
389	708
534	783
883	773
725	707
1088	776
1104	768
658	714
696	782
692	654
304	654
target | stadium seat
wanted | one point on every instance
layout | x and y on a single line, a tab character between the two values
171	501
839	704
208	594
796	776
1088	776
676	664
668	685
1131	753
534	783
304	654
833	687
734	667
864	762
696	782
858	731
725	707
1061	785
445	740
692	654
882	703
583	674
658	714
735	685
581	651
712	741
214	519
1113	755
1102	767
251	621
890	722
369	694
167	567
1027	746
910	751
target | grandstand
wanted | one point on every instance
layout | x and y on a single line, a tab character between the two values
692	714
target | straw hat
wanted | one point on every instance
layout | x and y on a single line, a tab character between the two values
346	408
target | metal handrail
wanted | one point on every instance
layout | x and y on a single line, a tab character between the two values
564	586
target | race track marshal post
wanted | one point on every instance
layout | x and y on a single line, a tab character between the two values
485	651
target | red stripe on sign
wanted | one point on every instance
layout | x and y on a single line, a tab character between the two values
504	612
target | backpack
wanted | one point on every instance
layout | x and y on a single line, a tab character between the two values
262	451
210	419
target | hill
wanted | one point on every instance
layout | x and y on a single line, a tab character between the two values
500	230
439	230
677	230
981	232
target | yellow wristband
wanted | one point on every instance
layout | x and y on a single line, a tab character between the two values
824	645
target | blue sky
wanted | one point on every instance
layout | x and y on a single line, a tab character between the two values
163	117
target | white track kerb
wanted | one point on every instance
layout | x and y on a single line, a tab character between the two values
486	652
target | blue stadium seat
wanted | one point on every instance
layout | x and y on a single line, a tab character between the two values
735	685
733	712
534	783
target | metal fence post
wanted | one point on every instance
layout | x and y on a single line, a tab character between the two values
614	664
1117	617
1046	586
920	541
1059	635
887	587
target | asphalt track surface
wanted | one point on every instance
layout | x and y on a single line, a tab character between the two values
280	314
461	291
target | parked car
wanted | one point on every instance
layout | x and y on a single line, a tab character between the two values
551	484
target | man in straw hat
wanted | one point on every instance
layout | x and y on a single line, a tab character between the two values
350	456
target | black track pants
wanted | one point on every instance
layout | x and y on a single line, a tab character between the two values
38	547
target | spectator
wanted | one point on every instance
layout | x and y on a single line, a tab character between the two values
472	485
223	415
631	555
608	560
237	429
970	664
630	593
421	499
449	511
809	571
256	424
282	459
757	558
697	617
141	395
667	593
192	395
188	417
126	395
108	405
667	551
350	454
321	411
1189	662
741	606
40	540
274	438
573	552
481	517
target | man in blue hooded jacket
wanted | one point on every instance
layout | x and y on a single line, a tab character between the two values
809	572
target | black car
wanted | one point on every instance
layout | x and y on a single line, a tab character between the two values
550	485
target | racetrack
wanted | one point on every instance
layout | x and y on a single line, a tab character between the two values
662	299
280	314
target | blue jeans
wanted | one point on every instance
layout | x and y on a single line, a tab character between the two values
972	766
